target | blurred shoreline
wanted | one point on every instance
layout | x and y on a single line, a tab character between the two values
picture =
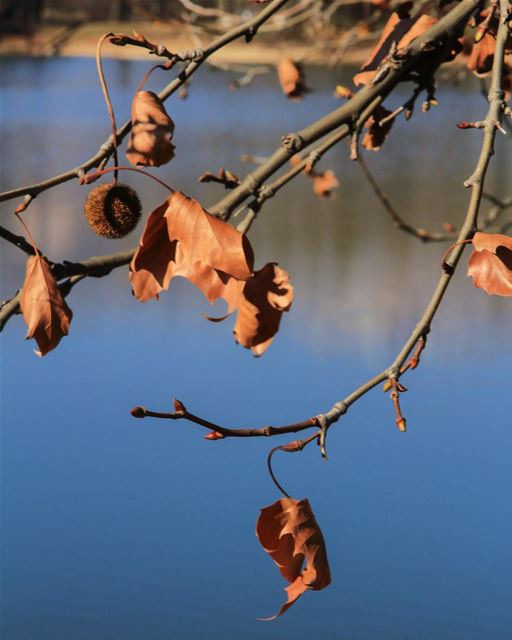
80	41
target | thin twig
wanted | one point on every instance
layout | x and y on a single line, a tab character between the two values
400	223
108	101
247	29
226	432
422	328
346	114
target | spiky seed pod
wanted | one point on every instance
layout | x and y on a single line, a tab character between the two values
112	210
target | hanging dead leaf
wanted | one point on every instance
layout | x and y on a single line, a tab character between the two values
151	269
291	78
264	298
152	130
324	183
207	239
182	239
44	310
490	264
482	55
374	138
400	30
289	533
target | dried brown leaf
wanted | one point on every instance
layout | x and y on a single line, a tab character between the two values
324	183
482	55
399	30
490	264
289	533
152	130
182	239
291	78
374	138
152	266
207	239
264	298
45	311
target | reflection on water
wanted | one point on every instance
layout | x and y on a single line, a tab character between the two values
121	530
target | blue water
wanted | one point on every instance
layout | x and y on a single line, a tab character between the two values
116	528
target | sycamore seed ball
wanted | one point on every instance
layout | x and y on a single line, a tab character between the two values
112	210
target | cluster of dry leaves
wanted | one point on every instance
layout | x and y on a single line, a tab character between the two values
182	239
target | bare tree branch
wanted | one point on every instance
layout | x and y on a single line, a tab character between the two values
247	29
475	182
391	73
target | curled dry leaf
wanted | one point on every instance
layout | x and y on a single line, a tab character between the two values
261	304
323	183
289	533
374	138
482	54
224	176
44	310
182	239
291	78
152	130
490	264
401	30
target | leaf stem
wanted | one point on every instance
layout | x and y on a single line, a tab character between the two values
106	95
93	176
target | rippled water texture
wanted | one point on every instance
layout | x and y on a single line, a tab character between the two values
117	528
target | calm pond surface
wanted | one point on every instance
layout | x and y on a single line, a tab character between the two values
114	528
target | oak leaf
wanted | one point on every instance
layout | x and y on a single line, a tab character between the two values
152	130
490	264
182	239
288	532
44	309
291	78
261	304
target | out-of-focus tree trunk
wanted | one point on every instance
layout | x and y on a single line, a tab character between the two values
120	10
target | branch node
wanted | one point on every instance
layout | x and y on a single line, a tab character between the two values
250	33
266	191
324	425
292	142
393	372
313	157
448	268
252	185
338	409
